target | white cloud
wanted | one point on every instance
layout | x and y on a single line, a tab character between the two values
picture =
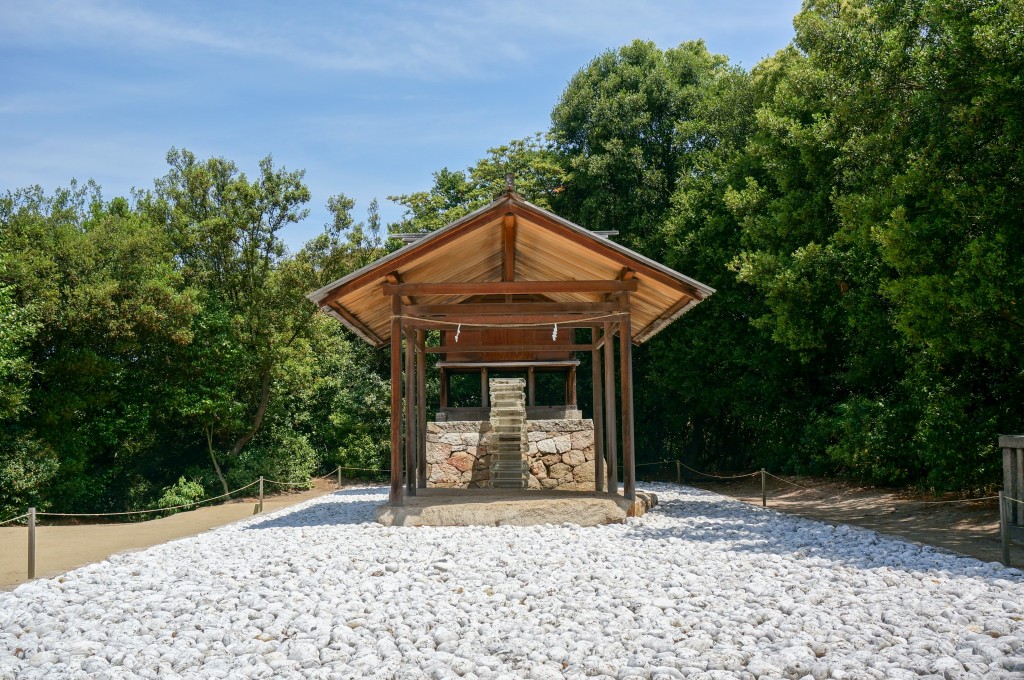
433	41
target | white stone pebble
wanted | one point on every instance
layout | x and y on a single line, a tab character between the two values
701	587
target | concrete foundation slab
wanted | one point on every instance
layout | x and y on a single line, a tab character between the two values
497	507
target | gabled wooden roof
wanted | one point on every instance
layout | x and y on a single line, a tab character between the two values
546	248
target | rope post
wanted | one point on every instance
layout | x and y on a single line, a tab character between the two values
339	476
31	543
1004	530
764	493
679	473
261	493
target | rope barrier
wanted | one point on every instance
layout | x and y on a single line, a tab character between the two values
143	512
13	519
329	474
961	500
611	315
707	474
786	481
274	481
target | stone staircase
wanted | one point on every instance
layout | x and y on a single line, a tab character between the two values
509	469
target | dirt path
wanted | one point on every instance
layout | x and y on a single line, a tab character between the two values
969	528
62	548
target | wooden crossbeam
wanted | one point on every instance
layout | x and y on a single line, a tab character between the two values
504	349
509	320
507	287
512	308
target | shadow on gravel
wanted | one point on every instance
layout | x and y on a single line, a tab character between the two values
344	507
736	527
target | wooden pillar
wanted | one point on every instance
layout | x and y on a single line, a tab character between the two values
610	444
443	390
410	413
598	404
421	410
626	380
570	387
485	392
1013	476
531	390
395	496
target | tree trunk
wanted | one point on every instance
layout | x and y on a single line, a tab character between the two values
213	457
261	410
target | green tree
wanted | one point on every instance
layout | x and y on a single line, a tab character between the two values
531	162
617	127
225	231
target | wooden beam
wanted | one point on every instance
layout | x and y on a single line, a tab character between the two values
508	262
626	274
531	387
406	255
395	496
610	444
358	326
570	387
626	368
602	247
421	410
598	412
395	279
510	320
492	349
512	308
673	313
410	408
508	287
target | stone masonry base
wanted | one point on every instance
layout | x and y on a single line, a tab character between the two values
560	456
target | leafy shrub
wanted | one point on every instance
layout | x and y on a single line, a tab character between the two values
181	492
280	454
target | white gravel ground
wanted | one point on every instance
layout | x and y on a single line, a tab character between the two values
702	587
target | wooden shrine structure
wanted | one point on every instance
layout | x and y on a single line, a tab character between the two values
507	286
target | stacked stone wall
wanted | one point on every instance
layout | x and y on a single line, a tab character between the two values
560	454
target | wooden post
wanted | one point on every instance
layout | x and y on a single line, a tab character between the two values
1013	475
1004	529
443	394
626	367
679	472
531	390
395	495
410	433
339	476
610	445
595	360
485	393
261	493
31	543
421	410
570	387
764	492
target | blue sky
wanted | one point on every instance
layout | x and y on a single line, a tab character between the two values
369	98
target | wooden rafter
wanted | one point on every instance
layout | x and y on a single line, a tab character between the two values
507	287
597	246
508	261
356	325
